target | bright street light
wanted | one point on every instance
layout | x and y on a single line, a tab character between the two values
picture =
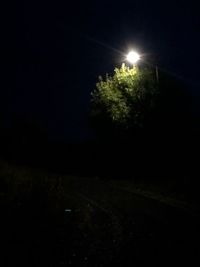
133	57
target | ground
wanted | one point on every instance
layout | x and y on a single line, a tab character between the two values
53	220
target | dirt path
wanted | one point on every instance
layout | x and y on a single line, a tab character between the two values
150	230
73	221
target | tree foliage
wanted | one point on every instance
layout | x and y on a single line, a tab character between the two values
125	99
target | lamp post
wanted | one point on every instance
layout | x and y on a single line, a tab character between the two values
157	75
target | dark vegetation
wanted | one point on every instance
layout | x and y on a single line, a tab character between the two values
166	147
106	225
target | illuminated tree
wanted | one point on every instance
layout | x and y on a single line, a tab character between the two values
126	99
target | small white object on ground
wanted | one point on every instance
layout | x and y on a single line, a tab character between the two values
68	210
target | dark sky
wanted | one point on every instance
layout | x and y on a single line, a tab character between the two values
55	50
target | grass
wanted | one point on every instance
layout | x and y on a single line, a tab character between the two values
53	220
162	191
77	229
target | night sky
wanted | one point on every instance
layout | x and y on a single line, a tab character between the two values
55	50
